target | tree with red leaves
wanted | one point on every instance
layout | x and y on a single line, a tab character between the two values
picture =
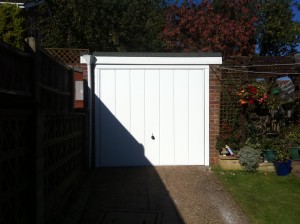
220	26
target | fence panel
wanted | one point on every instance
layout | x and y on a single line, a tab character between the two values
63	146
17	162
42	142
16	73
69	56
55	84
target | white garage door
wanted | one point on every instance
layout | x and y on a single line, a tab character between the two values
150	110
150	117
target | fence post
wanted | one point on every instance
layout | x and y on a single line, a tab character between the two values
39	171
39	132
32	43
71	90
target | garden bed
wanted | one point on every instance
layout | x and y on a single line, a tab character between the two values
232	163
295	166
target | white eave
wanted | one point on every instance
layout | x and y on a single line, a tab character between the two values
158	58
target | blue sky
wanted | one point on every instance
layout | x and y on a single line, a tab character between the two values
297	18
297	13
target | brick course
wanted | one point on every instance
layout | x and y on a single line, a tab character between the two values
214	112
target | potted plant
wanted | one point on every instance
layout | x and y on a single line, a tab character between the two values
291	135
282	162
267	147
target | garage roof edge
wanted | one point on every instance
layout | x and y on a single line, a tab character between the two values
156	54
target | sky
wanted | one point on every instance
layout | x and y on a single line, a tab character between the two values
297	18
297	13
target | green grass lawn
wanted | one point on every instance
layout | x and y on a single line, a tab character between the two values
264	197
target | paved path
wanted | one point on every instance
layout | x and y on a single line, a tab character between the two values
154	195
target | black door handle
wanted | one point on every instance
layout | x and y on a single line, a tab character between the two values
152	137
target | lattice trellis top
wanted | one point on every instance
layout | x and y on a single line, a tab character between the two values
68	56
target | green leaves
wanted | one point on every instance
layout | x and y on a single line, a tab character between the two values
278	34
12	25
105	25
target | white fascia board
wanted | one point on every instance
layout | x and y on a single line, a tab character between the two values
86	59
115	60
82	60
138	67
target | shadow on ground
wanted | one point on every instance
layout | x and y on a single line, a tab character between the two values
129	195
146	195
152	195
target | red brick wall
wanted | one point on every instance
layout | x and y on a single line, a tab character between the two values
78	76
214	112
84	70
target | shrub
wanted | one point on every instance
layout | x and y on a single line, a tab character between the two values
249	158
12	25
291	134
282	152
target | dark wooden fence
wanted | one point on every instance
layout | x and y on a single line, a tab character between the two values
42	140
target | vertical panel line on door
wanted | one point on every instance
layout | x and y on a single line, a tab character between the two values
206	117
144	110
159	117
174	141
98	115
130	105
115	79
188	108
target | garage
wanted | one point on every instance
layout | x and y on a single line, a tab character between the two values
150	109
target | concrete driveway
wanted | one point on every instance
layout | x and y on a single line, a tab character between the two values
155	195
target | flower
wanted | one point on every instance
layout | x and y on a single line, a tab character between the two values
263	98
251	101
253	93
252	89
